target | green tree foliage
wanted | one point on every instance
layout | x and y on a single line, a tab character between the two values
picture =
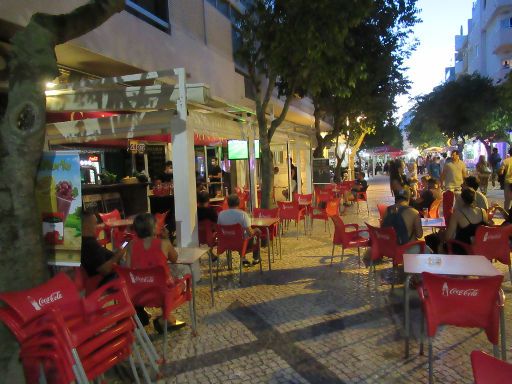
284	44
469	107
379	45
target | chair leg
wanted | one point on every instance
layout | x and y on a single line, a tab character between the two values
510	272
240	278
332	254
134	370
342	254
369	272
430	362
165	340
422	332
359	256
495	351
145	372
393	278
503	336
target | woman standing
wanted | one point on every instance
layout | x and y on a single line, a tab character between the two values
397	178
483	170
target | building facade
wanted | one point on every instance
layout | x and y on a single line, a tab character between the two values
487	47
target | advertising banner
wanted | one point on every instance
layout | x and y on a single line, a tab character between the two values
59	200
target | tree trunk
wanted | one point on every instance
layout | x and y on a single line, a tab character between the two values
22	129
267	172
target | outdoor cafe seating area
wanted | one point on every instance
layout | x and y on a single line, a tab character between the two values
81	332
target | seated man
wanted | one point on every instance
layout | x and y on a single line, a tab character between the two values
404	219
233	215
95	259
427	196
361	185
204	210
480	199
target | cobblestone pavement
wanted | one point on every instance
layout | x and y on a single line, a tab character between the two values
306	322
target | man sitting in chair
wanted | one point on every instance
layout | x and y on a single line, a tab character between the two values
361	185
233	215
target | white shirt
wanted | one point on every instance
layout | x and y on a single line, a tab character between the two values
453	174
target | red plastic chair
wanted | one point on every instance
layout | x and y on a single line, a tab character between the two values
433	210
290	211
382	208
150	287
323	196
58	331
116	236
362	197
206	233
491	242
448	202
384	243
233	238
490	370
347	239
160	222
468	303
86	283
331	209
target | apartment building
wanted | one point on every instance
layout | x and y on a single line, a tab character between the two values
487	46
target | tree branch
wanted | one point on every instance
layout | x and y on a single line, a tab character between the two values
80	21
277	122
268	92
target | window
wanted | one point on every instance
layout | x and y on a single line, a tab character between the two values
154	12
506	23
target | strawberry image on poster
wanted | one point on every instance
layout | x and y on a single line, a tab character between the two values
65	195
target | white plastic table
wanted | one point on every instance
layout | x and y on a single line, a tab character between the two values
433	223
464	265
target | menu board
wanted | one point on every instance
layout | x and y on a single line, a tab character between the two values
156	160
59	201
321	171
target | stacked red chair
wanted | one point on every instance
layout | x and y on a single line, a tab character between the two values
232	238
490	370
384	244
151	287
67	337
491	242
467	303
291	211
347	239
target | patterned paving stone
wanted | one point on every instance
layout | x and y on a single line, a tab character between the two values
306	322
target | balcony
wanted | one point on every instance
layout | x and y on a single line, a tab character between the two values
503	41
460	68
460	42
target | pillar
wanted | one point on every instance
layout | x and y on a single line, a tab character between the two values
298	161
184	170
309	175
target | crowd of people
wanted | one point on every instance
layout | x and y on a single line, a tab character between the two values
471	209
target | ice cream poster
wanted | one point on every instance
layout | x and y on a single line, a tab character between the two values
59	200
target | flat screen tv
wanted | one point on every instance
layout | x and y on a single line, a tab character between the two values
239	150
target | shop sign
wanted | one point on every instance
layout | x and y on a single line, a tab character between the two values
94	158
59	202
135	146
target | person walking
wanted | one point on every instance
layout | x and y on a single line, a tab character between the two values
483	170
454	172
434	168
495	161
506	169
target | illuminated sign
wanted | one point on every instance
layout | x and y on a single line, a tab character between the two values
135	146
94	158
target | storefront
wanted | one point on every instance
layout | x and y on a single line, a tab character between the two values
133	128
